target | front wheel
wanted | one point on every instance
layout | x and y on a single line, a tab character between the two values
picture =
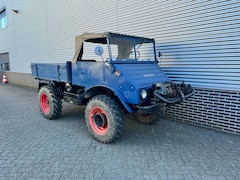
104	119
148	118
50	105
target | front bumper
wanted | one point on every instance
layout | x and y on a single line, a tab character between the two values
174	100
149	108
158	105
166	94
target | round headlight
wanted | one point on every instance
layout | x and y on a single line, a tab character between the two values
143	94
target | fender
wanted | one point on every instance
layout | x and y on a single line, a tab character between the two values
114	91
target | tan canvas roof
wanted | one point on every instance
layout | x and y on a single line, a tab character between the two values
99	38
81	38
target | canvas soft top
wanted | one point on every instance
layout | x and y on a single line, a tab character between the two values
98	38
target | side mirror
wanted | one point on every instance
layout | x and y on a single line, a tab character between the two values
159	54
98	50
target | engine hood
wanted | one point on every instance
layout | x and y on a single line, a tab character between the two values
142	75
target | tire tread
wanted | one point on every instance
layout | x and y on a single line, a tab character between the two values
117	121
56	109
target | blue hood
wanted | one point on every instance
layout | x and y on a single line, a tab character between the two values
141	74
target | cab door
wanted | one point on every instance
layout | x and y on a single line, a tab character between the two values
87	73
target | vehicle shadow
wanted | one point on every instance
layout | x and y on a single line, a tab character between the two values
73	117
135	133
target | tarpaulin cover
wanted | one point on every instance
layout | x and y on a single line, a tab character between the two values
79	40
101	38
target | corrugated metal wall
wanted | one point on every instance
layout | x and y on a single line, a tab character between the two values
199	40
207	54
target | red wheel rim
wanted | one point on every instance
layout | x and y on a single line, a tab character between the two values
44	101
98	120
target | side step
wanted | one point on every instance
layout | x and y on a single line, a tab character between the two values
72	98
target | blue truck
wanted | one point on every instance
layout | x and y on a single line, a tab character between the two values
112	75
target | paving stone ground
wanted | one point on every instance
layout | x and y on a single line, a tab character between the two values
32	147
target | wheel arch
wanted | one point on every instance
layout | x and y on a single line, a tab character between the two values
42	83
97	90
58	87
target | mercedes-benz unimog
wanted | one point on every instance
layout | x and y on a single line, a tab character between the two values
112	74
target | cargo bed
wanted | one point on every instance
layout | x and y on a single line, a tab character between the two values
60	72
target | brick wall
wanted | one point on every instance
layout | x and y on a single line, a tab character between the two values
217	109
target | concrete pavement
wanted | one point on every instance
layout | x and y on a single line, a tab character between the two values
32	147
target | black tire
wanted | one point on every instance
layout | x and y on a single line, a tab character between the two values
149	118
50	105
104	119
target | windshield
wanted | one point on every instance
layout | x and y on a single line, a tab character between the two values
131	48
115	47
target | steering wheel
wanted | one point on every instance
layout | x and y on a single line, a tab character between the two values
137	54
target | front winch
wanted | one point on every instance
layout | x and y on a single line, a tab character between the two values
172	93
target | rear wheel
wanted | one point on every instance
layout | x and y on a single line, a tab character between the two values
50	105
104	119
